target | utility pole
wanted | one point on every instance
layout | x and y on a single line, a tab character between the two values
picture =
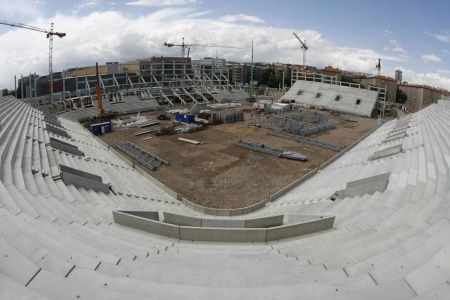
251	75
15	86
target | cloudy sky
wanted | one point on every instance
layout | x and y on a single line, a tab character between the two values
411	35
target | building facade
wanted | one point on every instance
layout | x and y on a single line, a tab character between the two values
208	66
382	82
165	68
399	76
419	96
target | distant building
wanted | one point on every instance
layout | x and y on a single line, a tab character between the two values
209	66
108	68
331	71
383	82
419	96
112	67
283	70
398	76
165	68
241	73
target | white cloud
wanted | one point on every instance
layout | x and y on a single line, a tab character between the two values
430	58
18	10
242	17
395	46
436	79
84	5
110	35
163	2
443	36
388	33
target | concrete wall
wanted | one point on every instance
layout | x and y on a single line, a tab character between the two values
223	234
390	85
419	97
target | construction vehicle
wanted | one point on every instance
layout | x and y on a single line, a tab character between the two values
50	33
101	113
185	46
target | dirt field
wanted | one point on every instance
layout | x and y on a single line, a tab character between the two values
220	175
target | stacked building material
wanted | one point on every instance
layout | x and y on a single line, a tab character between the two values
307	140
282	153
229	116
142	156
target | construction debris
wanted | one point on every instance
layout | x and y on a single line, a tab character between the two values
220	117
148	124
282	153
193	142
223	105
187	128
134	121
142	132
142	156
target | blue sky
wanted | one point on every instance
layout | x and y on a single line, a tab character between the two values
411	35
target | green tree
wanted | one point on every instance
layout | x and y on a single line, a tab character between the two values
401	96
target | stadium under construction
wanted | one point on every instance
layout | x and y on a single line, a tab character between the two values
170	183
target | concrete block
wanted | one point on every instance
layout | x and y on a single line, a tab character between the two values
386	152
265	222
394	137
221	223
277	233
182	220
222	234
57	131
84	182
152	215
80	173
66	147
363	186
145	224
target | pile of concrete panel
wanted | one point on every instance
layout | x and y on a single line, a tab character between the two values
282	153
60	241
142	156
228	116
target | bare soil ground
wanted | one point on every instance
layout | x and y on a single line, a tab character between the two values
220	175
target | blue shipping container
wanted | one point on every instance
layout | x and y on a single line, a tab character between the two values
101	128
185	118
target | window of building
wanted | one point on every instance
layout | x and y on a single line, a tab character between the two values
358	101
299	92
318	95
338	97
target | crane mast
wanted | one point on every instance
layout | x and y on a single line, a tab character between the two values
50	33
303	47
50	61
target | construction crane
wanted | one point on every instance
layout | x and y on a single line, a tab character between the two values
378	66
50	33
185	46
303	47
98	92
